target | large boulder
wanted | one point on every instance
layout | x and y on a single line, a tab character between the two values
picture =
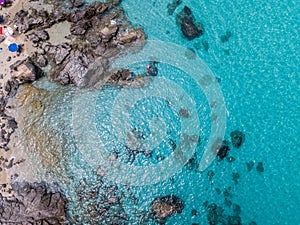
33	203
58	53
164	207
189	28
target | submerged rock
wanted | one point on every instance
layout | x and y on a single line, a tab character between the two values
33	203
172	6
237	138
164	207
222	152
26	71
249	165
189	28
260	167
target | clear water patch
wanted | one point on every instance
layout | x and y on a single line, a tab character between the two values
122	129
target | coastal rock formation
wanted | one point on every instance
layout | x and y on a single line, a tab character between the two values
99	31
33	203
189	28
25	71
237	138
164	207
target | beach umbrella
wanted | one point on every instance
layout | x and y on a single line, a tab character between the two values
13	47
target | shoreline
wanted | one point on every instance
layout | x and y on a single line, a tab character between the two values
91	35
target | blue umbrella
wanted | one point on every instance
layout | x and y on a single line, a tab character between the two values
13	47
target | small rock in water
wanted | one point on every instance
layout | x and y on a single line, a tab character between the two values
250	165
225	37
237	138
218	190
187	23
210	174
172	6
194	212
205	45
235	177
236	209
184	113
260	167
223	150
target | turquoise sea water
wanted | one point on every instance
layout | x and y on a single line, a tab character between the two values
259	76
260	80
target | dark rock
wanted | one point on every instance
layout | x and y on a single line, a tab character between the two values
1	19
236	209
218	190
260	167
26	71
58	53
249	165
41	60
80	27
172	6
38	35
164	207
152	69
184	113
26	21
77	3
74	70
210	174
187	24
234	220
223	150
194	212
33	203
108	33
12	124
205	45
11	87
235	177
2	38
225	37
237	138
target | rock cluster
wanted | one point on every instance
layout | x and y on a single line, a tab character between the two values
164	207
189	28
98	31
33	203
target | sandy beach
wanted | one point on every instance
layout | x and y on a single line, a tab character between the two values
20	169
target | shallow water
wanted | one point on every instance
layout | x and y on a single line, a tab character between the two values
259	79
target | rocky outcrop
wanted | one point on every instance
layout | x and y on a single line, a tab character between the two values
33	203
189	28
25	71
99	31
164	207
28	20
